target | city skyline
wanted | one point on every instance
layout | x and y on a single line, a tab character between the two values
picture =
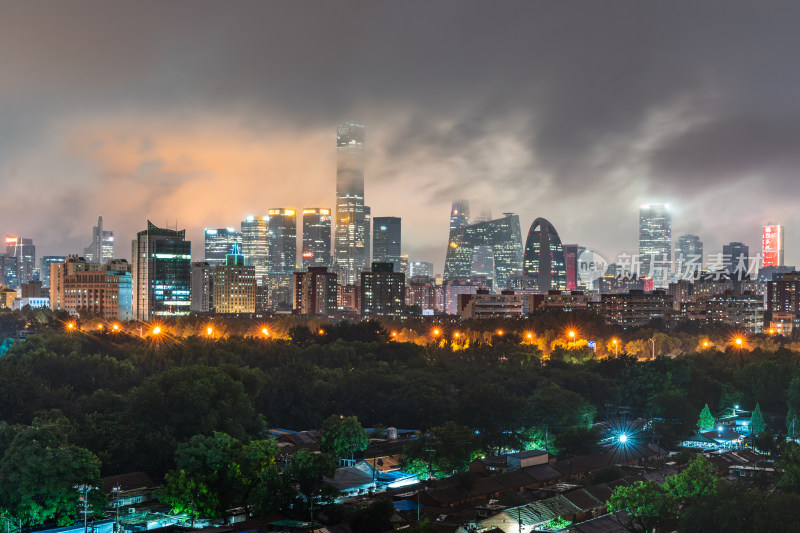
132	137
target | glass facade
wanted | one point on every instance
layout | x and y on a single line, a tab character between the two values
218	244
544	260
352	233
502	236
282	241
386	246
316	237
255	245
102	248
162	261
655	242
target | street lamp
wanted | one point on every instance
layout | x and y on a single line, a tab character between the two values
571	335
265	332
615	342
115	327
157	330
210	331
653	342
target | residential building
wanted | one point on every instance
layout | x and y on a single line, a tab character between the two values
635	308
383	291
486	305
315	292
689	257
421	292
736	259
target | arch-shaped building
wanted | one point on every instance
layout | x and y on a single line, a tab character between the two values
544	257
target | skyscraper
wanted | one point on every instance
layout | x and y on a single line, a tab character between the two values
282	241
162	275
459	214
571	256
655	242
689	255
386	239
544	257
255	245
25	253
316	237
502	235
219	243
735	258
352	237
772	245
101	250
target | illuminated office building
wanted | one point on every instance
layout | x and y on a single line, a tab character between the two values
352	233
25	253
219	243
101	250
45	262
316	237
502	236
655	242
772	246
383	291
282	241
544	259
386	247
162	273
255	245
459	215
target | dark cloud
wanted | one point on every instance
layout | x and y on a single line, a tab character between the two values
577	112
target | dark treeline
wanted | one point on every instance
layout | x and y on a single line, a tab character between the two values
132	401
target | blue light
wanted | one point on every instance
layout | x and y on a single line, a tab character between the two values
623	438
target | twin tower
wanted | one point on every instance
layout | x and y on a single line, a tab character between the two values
542	266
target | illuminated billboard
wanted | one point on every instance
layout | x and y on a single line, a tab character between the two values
772	245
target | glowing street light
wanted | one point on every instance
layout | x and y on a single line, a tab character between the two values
157	330
70	326
394	334
739	342
436	332
457	334
321	331
623	438
100	326
209	331
615	342
115	327
571	335
265	332
500	332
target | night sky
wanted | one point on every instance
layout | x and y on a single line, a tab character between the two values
578	112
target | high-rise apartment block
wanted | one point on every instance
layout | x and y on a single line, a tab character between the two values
383	291
772	245
315	292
